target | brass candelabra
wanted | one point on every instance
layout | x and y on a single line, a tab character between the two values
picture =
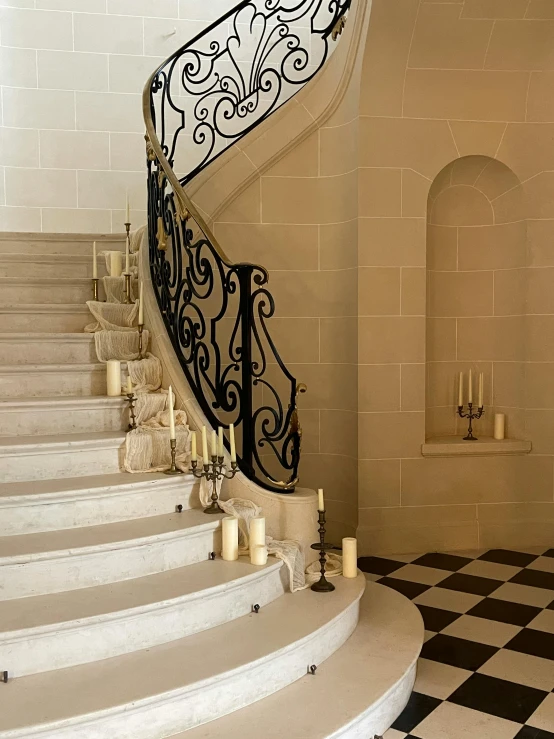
213	472
173	469
470	415
322	585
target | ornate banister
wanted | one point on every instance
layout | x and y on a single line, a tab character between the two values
202	100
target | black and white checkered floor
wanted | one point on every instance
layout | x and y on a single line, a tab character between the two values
487	666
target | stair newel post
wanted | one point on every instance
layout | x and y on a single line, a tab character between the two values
246	313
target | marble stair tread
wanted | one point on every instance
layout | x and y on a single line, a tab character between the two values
25	337
70	308
24	349
62	403
197	580
178	674
58	243
26	444
122	534
358	691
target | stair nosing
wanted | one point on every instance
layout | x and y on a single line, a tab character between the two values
85	401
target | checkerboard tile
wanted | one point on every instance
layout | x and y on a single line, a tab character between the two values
487	665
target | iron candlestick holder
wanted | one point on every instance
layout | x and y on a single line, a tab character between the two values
471	416
140	330
132	398
95	289
173	470
322	585
213	472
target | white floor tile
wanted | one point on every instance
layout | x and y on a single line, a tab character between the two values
450	721
494	571
482	630
438	680
417	573
546	564
543	622
448	600
524	669
523	594
543	718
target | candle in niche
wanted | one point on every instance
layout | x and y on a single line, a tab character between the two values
220	442
257	532
116	263
214	444
205	457
230	539
141	306
480	403
127	257
499	426
470	389
350	557
193	451
320	500
461	390
127	209
258	555
94	262
232	442
113	377
129	385
170	402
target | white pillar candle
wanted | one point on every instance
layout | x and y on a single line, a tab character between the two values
499	425
129	385
94	262
193	452
170	402
480	403
350	557
116	261
257	532
127	209
461	390
220	442
258	555
127	267
113	369
205	457
470	390
232	442
320	500
230	539
141	305
214	444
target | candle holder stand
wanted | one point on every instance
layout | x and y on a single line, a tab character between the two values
128	229
173	470
322	585
140	330
95	288
213	472
127	296
471	416
132	398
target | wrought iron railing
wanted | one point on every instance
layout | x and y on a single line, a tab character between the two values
197	104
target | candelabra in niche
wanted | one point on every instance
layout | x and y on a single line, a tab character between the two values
214	470
473	413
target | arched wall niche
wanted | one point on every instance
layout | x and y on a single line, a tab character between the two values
476	259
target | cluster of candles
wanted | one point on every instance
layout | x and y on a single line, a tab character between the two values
116	257
216	445
470	390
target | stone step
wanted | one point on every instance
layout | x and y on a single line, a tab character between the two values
46	290
49	265
62	415
64	455
69	559
47	318
39	243
357	693
155	692
47	348
33	506
51	632
47	380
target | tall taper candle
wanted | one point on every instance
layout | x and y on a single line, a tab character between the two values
350	557
127	268
214	444
193	452
470	390
257	532
129	388
230	539
480	403
127	210
320	500
141	306
113	369
461	390
232	442
94	262
220	442
171	414
205	457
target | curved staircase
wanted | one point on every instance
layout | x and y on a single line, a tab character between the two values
114	621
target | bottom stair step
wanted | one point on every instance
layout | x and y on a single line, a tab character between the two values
158	692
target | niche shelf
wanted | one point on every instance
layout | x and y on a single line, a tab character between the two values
455	446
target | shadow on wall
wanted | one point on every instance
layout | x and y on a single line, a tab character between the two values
476	290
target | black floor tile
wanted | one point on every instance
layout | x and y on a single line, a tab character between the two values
440	561
470	584
537	643
550	553
410	589
529	732
504	611
506	557
436	619
550	607
419	707
498	697
462	653
379	565
535	578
